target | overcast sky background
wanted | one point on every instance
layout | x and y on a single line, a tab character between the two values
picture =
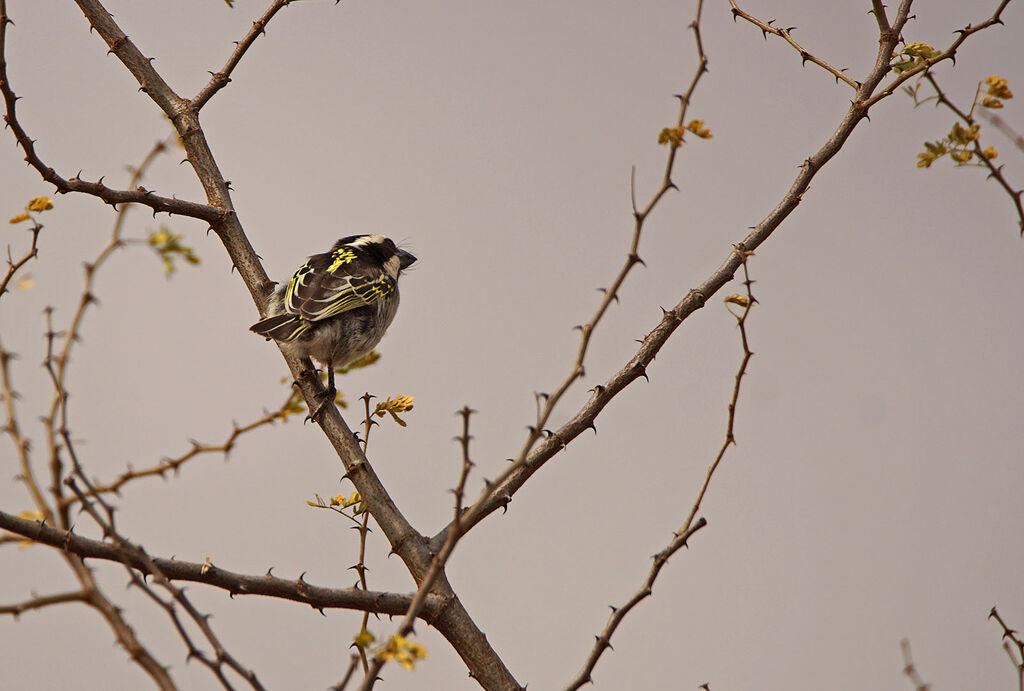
875	492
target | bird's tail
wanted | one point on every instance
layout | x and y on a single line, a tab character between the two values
281	327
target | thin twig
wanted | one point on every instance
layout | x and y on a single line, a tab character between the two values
994	172
268	585
353	664
173	465
878	10
439	561
220	79
137	195
787	36
1012	640
41	601
603	641
925	65
910	670
730	438
499	493
493	491
21	443
124	548
14	265
57	363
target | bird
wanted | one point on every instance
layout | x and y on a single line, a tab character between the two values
337	306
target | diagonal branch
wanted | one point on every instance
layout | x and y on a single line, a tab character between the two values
619	613
498	494
439	561
173	465
681	537
787	36
218	80
640	216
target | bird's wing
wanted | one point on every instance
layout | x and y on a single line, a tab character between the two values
335	282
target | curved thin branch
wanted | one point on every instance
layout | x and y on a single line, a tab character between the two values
13	265
41	601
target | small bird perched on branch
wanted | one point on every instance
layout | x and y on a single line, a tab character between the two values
338	305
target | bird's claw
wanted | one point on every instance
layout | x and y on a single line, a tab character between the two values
328	399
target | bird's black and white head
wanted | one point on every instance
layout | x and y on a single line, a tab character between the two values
377	249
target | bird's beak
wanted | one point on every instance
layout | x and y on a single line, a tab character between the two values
405	259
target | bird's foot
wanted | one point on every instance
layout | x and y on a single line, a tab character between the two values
325	399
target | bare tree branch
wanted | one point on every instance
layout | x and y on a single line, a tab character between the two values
948	54
41	601
679	540
1012	640
13	266
619	613
500	492
741	322
787	36
437	566
218	80
297	590
173	465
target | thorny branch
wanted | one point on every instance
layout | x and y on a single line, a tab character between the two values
440	559
1012	640
994	172
421	556
494	495
619	613
125	548
137	195
218	80
787	36
13	266
748	303
872	97
41	601
498	493
268	585
57	363
455	623
173	465
679	540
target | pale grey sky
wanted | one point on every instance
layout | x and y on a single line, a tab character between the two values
875	492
